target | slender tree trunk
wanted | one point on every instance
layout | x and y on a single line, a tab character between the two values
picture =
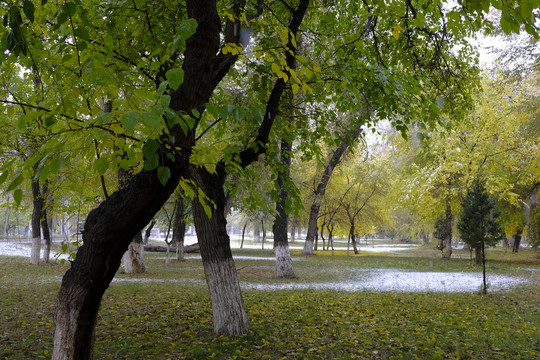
228	310
46	237
284	267
256	231
448	224
334	160
37	213
293	230
263	233
243	235
45	230
353	238
148	231
517	240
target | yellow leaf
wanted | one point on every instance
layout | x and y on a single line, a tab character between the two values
396	31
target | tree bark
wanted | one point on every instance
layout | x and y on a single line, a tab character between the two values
256	231
134	256
284	267
37	213
108	231
334	160
228	310
448	225
517	240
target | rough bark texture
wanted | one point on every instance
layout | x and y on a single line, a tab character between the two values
228	310
284	267
108	231
134	256
334	160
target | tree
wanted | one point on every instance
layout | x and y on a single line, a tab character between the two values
478	222
165	71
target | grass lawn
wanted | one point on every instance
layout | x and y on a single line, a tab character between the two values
168	315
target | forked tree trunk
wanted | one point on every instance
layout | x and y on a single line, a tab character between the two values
228	310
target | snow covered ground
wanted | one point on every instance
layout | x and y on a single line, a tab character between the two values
359	280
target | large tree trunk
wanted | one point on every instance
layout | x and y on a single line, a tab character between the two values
334	160
284	267
517	240
37	213
228	310
448	224
108	231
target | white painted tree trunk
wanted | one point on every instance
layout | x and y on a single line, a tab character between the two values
35	252
228	310
134	259
284	267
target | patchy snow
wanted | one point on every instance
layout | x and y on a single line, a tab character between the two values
359	280
403	280
23	249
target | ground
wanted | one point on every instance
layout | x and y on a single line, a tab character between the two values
329	312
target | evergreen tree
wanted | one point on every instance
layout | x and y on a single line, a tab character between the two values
478	222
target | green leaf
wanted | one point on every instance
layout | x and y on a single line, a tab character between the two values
17	180
82	33
164	174
151	159
28	8
175	78
129	120
101	166
151	119
3	177
17	196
